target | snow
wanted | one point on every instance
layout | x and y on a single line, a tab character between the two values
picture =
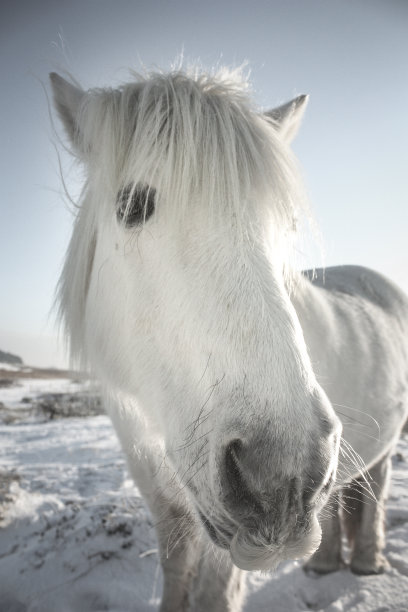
9	367
76	536
13	396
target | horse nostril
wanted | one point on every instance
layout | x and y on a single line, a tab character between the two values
238	481
233	468
318	489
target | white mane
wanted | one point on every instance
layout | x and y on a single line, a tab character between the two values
199	140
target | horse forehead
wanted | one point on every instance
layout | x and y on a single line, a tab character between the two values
178	96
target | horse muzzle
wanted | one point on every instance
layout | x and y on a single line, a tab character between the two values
266	542
268	510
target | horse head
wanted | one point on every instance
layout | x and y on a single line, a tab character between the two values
175	291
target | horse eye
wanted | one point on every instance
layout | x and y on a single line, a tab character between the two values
135	204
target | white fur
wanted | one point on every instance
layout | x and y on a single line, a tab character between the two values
188	322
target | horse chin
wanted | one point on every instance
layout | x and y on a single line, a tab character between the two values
250	550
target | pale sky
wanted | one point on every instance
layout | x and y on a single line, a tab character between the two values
351	56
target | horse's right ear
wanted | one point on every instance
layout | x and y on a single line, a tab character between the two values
67	100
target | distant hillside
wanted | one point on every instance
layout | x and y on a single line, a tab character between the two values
9	358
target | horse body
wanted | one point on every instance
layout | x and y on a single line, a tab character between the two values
355	325
220	383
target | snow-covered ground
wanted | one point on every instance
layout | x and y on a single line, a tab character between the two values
75	536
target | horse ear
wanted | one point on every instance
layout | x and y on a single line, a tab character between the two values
288	117
67	100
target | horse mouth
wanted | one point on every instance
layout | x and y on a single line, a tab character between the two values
261	547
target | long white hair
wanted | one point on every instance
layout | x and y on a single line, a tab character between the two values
199	141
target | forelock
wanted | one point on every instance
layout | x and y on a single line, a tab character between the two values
194	137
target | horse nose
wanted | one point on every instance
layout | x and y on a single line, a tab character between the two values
234	470
241	485
254	486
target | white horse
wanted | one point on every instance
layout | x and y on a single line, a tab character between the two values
224	368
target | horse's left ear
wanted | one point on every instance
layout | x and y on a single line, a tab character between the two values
67	100
288	117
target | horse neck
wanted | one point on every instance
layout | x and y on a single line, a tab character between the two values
316	317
